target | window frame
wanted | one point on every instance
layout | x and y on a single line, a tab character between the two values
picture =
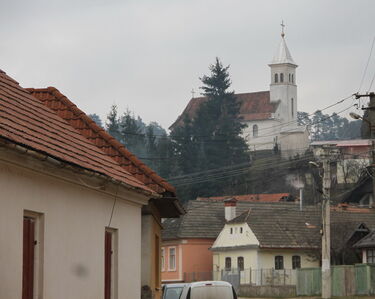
169	258
241	265
296	262
226	263
162	257
372	256
279	262
255	130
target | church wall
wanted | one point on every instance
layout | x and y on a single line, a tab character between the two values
267	131
293	143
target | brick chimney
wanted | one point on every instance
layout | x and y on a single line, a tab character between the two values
230	208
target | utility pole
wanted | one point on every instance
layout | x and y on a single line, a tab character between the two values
329	155
369	118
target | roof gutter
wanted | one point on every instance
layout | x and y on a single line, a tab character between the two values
42	156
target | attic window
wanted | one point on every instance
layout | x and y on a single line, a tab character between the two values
241	230
231	230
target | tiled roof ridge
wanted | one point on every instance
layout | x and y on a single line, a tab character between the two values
107	137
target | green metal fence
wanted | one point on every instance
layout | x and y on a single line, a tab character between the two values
347	280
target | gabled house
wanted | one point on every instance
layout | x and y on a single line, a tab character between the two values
257	235
78	209
367	247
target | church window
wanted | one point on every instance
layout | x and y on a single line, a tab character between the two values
255	130
292	78
292	106
276	78
281	78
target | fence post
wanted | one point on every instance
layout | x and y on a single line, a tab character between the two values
273	272
284	276
250	277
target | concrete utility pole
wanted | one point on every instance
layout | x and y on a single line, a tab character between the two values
368	120
326	230
329	155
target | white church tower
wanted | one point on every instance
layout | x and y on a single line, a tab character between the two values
283	88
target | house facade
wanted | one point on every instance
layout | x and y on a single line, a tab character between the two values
75	203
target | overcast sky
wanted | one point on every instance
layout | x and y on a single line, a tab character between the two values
148	55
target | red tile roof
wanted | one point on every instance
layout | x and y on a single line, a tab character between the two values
253	106
26	121
275	197
63	107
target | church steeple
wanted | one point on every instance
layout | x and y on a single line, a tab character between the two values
283	88
282	54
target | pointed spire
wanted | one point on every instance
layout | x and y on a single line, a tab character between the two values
282	55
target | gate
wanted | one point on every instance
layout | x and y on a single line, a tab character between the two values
233	277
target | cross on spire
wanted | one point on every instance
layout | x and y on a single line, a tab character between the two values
282	28
192	93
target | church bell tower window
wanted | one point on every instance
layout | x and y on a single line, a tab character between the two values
276	78
281	78
292	106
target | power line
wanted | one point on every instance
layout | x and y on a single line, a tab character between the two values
368	61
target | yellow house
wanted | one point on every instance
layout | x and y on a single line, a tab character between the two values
266	243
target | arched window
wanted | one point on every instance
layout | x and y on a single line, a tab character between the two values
276	78
292	106
240	263
296	262
290	78
228	264
255	130
281	77
279	262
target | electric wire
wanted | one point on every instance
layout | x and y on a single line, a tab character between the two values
367	64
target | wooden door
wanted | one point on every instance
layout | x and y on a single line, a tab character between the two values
28	258
107	265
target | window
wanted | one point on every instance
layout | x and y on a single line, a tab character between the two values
157	261
255	130
292	106
32	255
240	263
162	259
241	230
279	262
281	77
231	230
290	78
370	256
110	258
172	259
276	78
296	262
228	264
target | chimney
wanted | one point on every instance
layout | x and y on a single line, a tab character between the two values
230	208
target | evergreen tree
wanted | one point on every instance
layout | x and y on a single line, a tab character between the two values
96	119
113	124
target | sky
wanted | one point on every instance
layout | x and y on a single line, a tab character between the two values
147	55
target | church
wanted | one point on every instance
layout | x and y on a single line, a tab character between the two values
270	116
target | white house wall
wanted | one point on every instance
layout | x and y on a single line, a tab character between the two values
226	239
267	258
75	218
